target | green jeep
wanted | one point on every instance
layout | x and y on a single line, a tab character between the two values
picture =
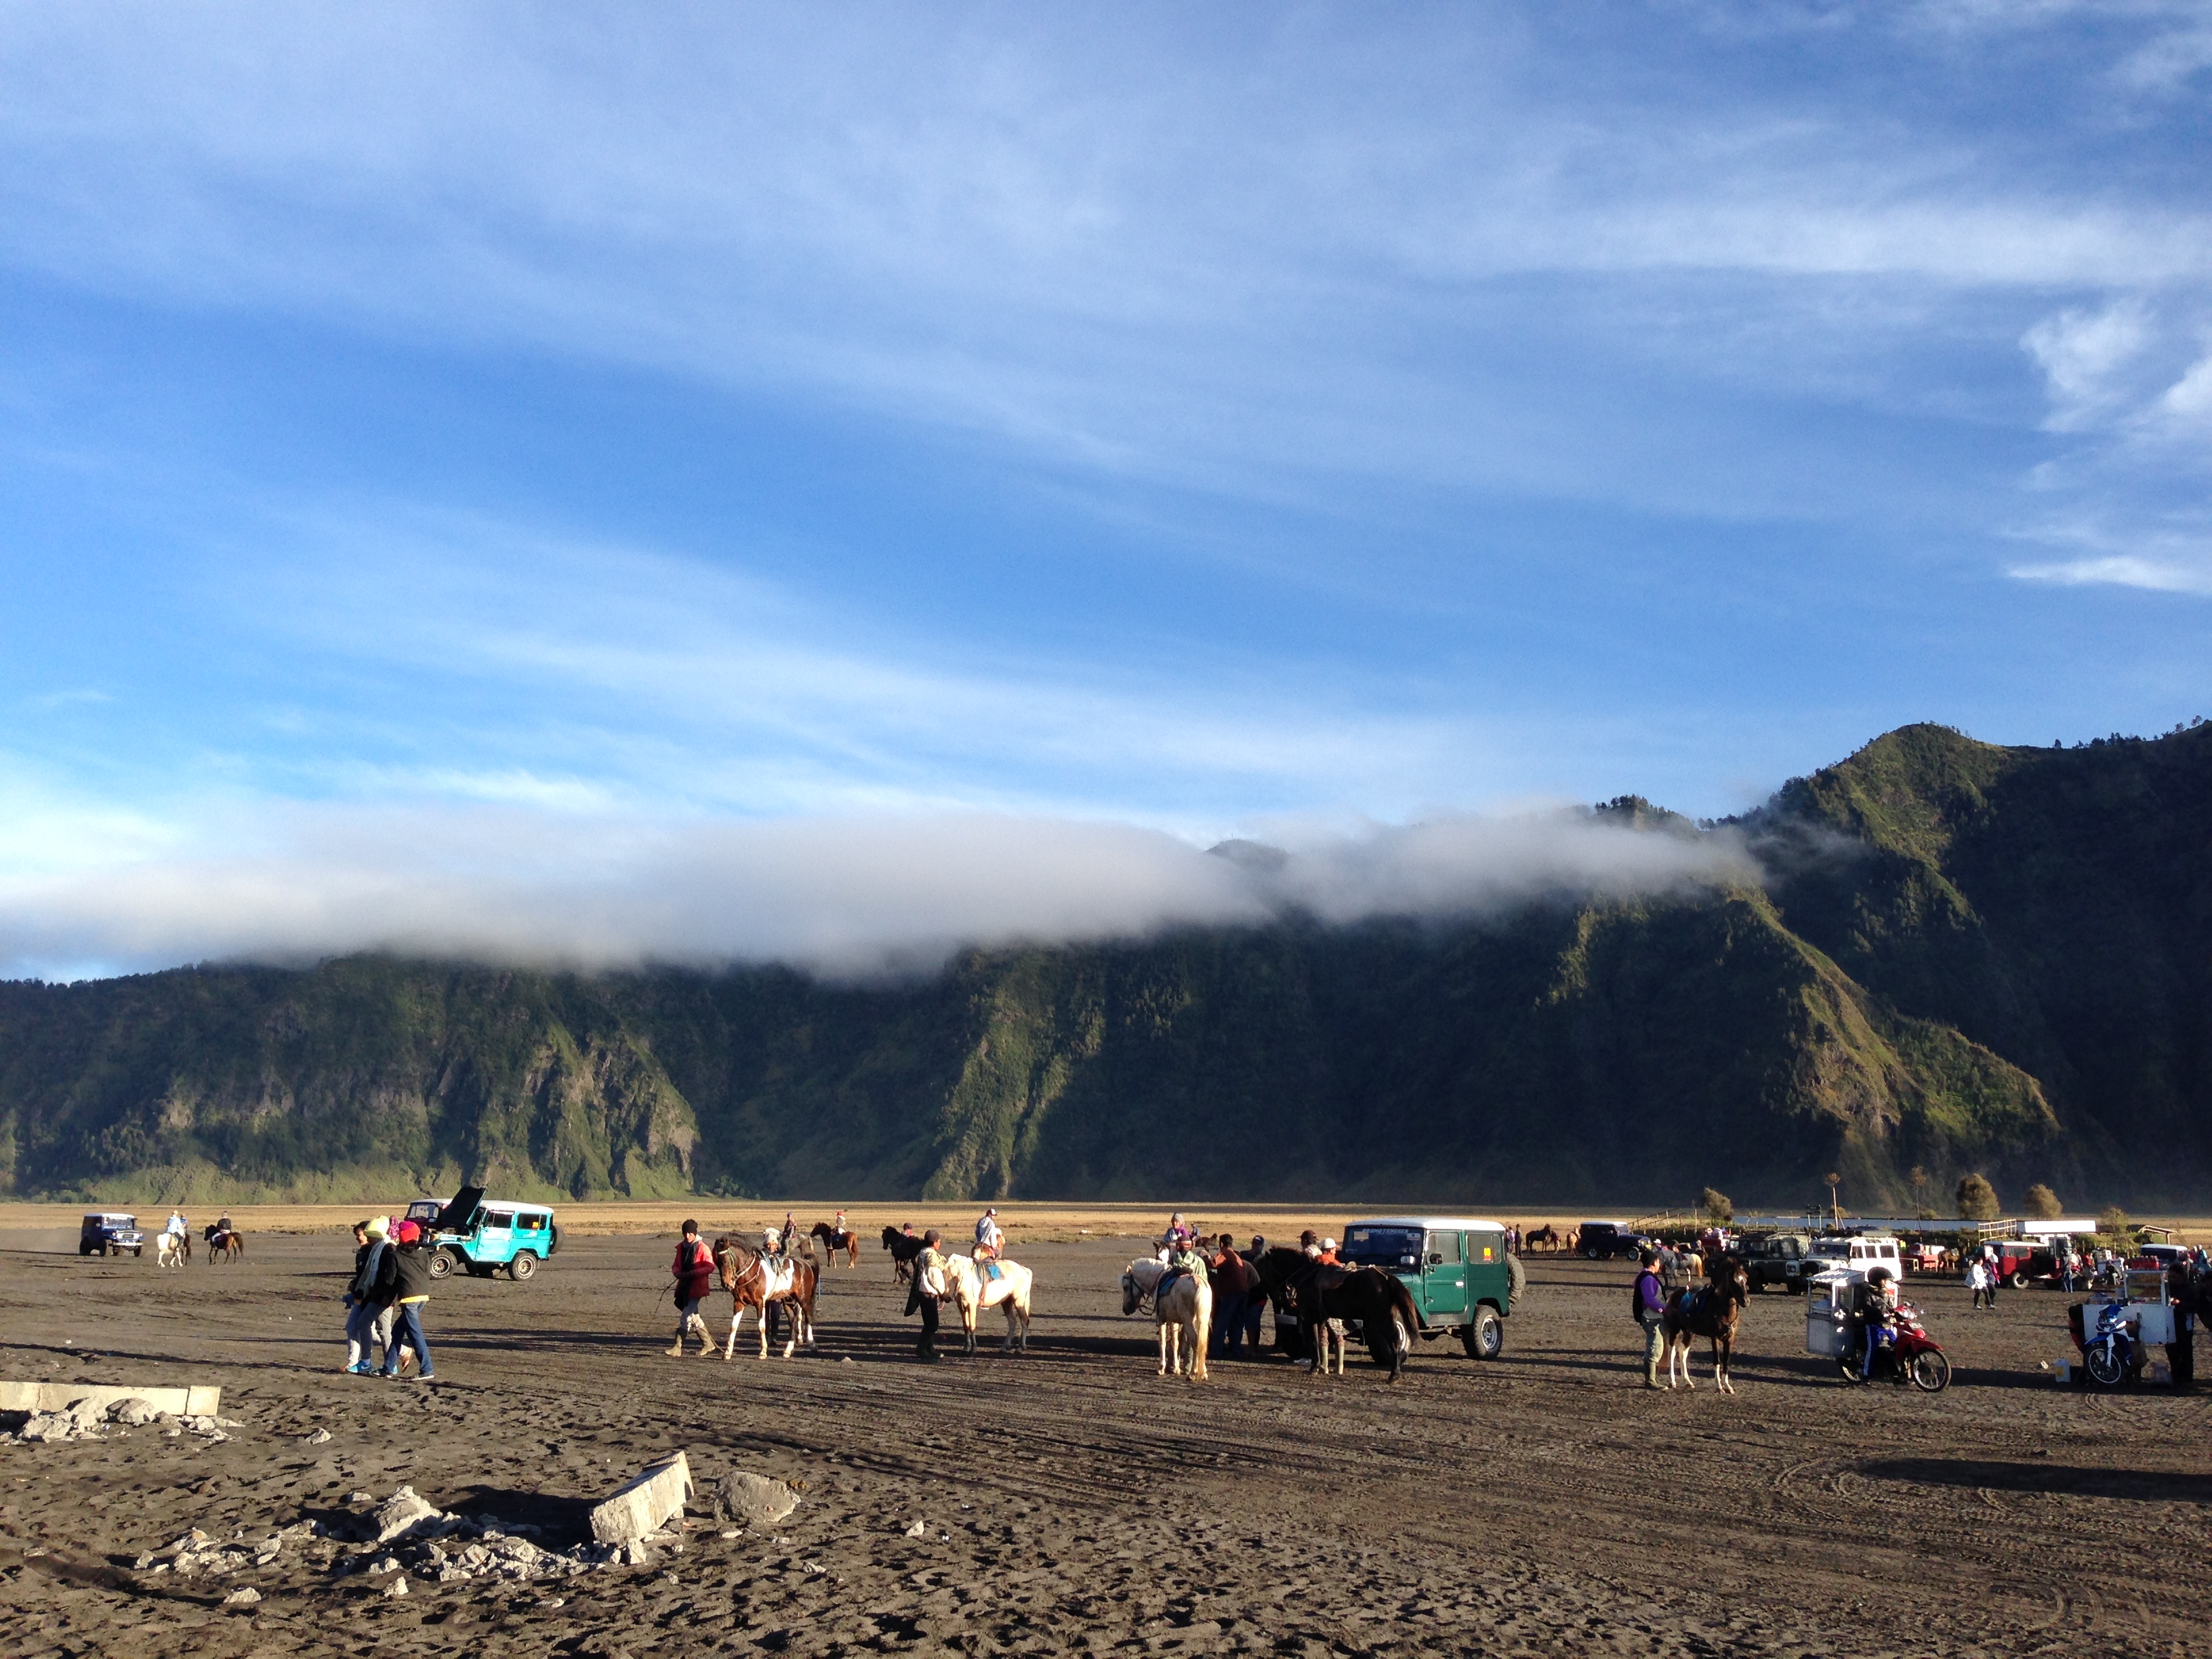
1462	1281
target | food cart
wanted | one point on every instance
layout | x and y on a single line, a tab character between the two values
1829	1301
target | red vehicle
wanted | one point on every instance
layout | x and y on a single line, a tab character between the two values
2020	1259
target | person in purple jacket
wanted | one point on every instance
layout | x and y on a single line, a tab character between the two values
1649	1303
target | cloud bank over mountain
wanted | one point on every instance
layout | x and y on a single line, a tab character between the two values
845	896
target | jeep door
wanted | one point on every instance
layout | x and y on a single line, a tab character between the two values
1442	1296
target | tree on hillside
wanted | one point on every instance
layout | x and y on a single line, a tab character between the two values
2043	1204
1978	1200
1715	1205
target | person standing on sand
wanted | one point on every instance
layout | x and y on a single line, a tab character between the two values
927	1291
361	1312
694	1272
412	1295
1650	1305
1232	1286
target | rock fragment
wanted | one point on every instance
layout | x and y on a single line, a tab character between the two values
404	1514
133	1412
755	1499
644	1503
242	1598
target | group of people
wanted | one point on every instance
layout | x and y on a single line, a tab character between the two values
385	1299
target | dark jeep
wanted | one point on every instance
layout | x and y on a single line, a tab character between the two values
1777	1259
110	1233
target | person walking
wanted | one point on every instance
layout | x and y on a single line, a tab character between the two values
1978	1282
925	1292
1648	1303
411	1294
360	1298
694	1272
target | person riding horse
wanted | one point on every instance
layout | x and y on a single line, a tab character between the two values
990	1241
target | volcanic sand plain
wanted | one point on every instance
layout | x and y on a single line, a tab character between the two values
1072	1500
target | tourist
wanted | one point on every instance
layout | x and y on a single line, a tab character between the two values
989	1239
360	1298
410	1294
694	1272
1233	1282
1650	1305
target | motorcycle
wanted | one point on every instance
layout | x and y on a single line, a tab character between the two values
1909	1356
2111	1354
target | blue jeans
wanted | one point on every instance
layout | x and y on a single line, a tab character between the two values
407	1329
1228	1322
361	1335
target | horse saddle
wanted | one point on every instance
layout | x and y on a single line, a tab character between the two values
1693	1302
1167	1283
776	1280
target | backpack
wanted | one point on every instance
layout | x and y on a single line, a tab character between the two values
1636	1298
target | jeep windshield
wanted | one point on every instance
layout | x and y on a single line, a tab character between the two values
1383	1247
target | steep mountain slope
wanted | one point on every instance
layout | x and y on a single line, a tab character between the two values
1966	958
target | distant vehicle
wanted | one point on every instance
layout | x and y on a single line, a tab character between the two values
2159	1255
1455	1268
1598	1240
2020	1259
110	1232
483	1238
1777	1259
1862	1256
425	1212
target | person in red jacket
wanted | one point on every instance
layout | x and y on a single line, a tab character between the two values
694	1272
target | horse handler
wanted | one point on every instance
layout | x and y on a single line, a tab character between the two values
1648	1303
694	1270
928	1290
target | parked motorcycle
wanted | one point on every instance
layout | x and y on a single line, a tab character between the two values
1911	1356
2111	1353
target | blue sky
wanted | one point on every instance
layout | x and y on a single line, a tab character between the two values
433	433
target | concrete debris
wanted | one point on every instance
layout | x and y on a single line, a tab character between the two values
402	1515
134	1413
645	1503
398	1586
321	1437
755	1500
919	1529
242	1598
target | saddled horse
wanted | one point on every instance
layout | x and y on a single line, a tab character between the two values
224	1244
832	1241
172	1249
973	1291
1712	1311
754	1281
903	1248
1546	1237
1184	1314
1379	1301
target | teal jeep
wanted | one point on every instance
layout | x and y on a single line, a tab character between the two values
1463	1283
483	1237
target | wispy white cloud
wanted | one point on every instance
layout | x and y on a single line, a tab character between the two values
2082	355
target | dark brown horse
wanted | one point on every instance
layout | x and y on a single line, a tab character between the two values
833	1242
1378	1301
754	1281
1713	1312
225	1244
903	1249
1546	1237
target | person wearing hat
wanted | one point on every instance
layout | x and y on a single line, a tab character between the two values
1648	1303
928	1288
989	1241
410	1294
694	1271
370	1247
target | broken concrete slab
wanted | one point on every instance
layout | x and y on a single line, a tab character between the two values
60	1396
755	1499
646	1503
404	1514
134	1413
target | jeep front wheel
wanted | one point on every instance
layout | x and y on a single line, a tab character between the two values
442	1263
1485	1339
523	1266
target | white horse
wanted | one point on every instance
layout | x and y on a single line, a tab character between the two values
1185	1318
972	1292
169	1249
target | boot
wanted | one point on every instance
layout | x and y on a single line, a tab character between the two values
677	1352
706	1337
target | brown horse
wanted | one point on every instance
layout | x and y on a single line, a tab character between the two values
754	1281
833	1242
225	1244
1713	1312
1546	1237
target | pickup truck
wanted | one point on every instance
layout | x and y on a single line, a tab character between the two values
1776	1260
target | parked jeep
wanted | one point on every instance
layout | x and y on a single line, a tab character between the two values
1598	1240
483	1237
1462	1282
110	1233
1777	1259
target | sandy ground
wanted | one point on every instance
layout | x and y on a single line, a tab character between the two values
1542	1503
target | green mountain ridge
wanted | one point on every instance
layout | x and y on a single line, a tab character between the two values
1964	958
